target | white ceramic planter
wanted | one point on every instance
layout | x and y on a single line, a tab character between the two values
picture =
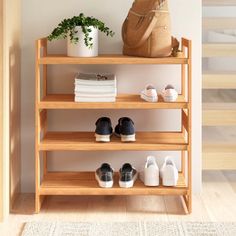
80	49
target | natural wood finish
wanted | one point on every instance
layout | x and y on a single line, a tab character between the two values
219	2
84	183
1	110
216	23
38	199
123	101
86	141
183	162
189	151
110	59
43	119
219	114
219	156
218	189
219	50
219	80
10	109
185	120
70	183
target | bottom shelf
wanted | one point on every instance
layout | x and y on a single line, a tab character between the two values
84	183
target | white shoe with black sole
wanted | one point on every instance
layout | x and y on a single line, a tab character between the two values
127	176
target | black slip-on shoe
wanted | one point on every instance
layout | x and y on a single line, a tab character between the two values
104	176
128	176
103	129
125	129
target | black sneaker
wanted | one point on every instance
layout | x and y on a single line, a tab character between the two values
128	176
125	129
103	129
104	176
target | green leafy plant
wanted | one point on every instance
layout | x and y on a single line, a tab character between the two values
67	29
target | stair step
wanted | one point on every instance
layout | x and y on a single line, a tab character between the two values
219	114
218	156
219	50
215	23
219	80
218	2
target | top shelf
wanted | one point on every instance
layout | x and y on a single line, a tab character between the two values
108	59
111	59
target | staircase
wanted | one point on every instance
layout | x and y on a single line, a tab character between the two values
219	113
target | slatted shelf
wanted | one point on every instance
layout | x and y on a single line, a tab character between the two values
123	101
110	60
219	50
85	141
219	114
84	183
217	23
219	80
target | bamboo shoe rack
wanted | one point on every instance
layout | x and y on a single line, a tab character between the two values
83	183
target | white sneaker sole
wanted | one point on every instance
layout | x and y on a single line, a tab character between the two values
104	184
170	99
128	138
169	182
128	184
102	138
149	99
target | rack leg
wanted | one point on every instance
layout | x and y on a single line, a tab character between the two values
189	196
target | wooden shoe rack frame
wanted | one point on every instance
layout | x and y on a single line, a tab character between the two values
83	183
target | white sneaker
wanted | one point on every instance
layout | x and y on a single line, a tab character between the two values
169	94
169	173
150	175
149	94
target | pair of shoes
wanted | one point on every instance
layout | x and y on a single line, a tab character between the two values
169	94
124	129
151	174
105	174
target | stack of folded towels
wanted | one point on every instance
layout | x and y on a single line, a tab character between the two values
90	87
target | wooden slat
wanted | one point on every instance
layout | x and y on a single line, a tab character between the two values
185	120
85	141
216	23
219	80
123	101
110	59
43	119
219	2
219	156
84	183
219	50
219	114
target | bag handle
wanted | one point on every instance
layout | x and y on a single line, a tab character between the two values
146	34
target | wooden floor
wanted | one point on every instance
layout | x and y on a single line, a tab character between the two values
216	203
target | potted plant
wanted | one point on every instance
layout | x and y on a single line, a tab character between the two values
82	35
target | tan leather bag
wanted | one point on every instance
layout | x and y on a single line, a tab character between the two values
146	30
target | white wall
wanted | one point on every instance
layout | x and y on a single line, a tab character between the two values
39	18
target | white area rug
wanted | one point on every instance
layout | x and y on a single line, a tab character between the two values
154	228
